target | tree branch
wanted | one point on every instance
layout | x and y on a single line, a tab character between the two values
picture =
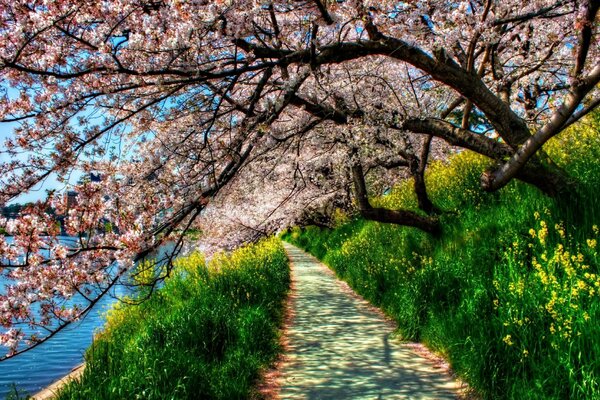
586	36
398	217
457	136
494	180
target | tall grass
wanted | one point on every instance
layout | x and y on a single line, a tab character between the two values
206	334
509	293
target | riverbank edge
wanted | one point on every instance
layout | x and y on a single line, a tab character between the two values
74	389
51	391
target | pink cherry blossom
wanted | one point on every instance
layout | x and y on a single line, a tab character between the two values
242	117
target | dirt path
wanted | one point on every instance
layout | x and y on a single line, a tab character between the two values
340	347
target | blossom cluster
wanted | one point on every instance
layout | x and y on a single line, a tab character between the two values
182	106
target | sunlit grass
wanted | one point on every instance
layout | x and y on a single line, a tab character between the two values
206	334
509	292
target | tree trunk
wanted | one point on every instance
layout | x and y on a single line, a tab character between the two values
425	203
398	217
548	178
418	173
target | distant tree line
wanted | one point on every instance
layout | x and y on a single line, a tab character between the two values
12	210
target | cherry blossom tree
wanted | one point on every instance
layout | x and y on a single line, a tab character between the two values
174	102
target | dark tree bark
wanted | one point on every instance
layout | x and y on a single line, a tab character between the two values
418	173
416	166
522	159
547	177
398	217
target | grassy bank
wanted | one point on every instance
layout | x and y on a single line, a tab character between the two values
509	293
206	334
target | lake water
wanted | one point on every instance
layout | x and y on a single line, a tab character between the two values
50	361
39	367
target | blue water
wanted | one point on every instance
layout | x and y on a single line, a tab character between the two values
50	361
39	367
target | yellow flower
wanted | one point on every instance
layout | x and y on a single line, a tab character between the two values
560	230
586	316
508	340
543	232
591	243
532	232
525	353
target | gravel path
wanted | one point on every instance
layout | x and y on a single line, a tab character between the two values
340	347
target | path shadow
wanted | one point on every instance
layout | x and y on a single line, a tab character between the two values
339	348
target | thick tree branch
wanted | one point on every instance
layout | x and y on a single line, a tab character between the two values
457	136
392	163
531	15
324	13
512	128
582	113
586	36
493	180
320	110
418	173
398	217
442	68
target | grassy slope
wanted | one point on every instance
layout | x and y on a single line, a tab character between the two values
206	334
509	291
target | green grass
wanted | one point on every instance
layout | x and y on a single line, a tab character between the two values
509	292
208	333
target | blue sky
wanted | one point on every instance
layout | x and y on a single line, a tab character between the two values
38	192
51	183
